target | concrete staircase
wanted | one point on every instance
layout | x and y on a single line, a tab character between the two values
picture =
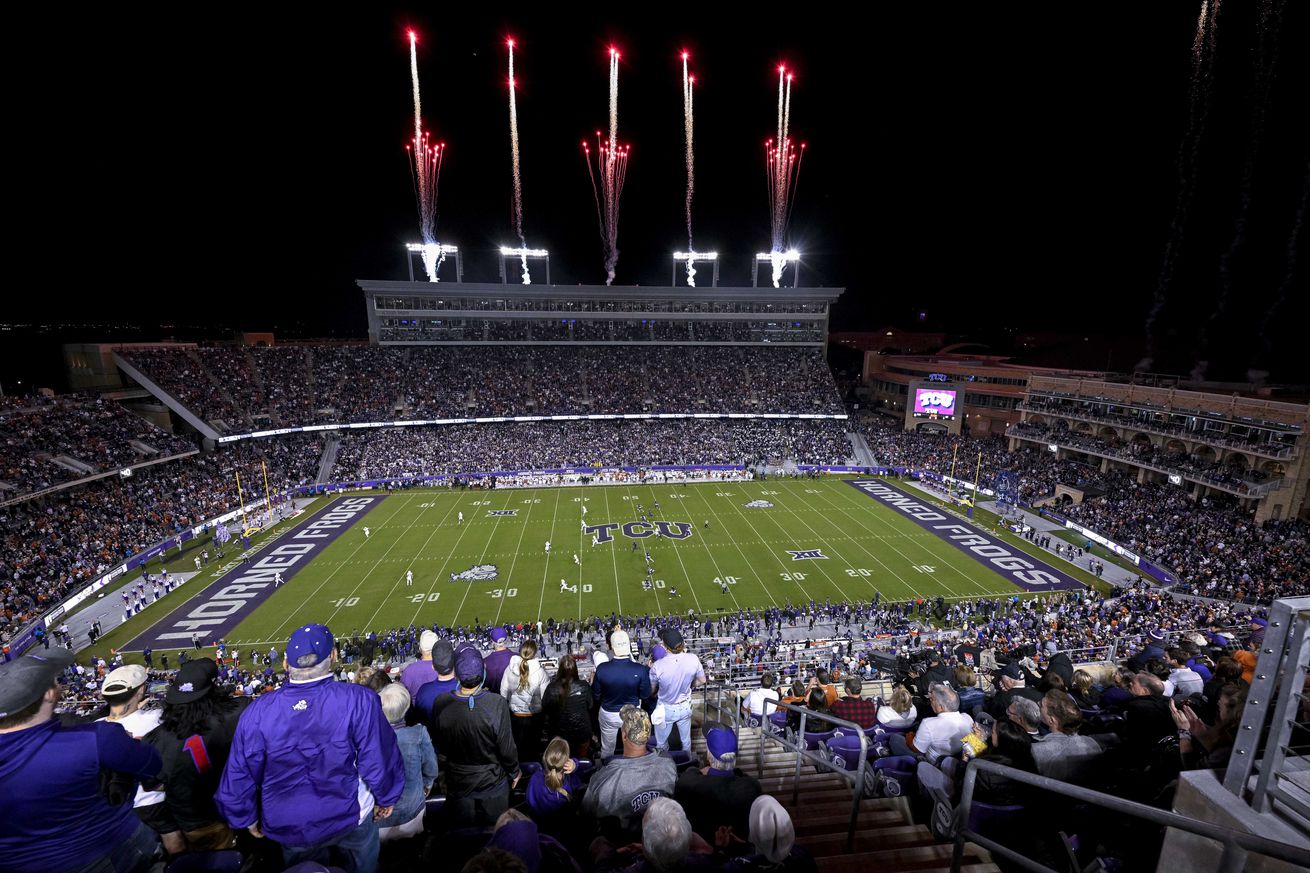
328	460
886	839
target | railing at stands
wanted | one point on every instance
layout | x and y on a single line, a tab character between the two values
1236	844
1279	679
821	763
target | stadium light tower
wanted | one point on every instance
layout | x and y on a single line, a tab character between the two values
777	262
521	257
432	256
691	258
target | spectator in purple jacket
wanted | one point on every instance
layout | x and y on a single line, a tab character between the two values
314	764
54	812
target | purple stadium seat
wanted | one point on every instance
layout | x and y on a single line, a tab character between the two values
814	740
987	818
846	751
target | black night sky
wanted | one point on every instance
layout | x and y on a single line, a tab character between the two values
1005	167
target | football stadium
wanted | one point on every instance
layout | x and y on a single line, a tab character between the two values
696	576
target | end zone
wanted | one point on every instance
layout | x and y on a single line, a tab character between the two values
232	597
1014	565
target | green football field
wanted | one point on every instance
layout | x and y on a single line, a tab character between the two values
736	555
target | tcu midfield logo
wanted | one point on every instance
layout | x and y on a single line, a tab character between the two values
639	530
479	573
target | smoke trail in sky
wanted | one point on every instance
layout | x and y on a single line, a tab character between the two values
425	170
1268	23
1189	149
783	162
1289	275
518	184
688	81
608	177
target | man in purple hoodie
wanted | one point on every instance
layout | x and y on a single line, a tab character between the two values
55	815
314	764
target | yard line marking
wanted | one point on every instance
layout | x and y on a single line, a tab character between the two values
737	545
410	566
546	565
399	507
468	586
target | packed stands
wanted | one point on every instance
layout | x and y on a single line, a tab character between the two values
293	385
407	452
51	547
996	688
48	440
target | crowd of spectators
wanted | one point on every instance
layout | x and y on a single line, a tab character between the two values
1208	470
1169	422
1211	544
298	385
96	435
51	546
597	762
473	448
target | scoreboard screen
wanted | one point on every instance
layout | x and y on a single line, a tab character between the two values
934	403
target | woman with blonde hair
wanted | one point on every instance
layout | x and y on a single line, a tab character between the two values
554	788
898	713
522	685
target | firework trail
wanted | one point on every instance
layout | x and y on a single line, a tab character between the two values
1269	21
424	157
783	161
1289	273
518	184
607	178
688	81
1189	149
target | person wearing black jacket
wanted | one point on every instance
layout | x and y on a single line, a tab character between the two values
566	704
474	735
194	739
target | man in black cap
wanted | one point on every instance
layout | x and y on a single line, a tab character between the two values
55	816
474	735
443	661
1010	684
194	740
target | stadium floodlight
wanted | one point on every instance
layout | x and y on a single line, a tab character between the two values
433	255
689	271
522	255
777	261
518	253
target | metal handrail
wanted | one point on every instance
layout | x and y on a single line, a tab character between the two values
1279	674
1236	843
855	777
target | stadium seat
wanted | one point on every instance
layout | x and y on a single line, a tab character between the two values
988	818
893	776
206	862
683	760
778	722
814	740
846	751
528	769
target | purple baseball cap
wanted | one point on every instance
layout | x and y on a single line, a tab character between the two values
310	645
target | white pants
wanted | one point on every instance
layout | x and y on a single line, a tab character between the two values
609	732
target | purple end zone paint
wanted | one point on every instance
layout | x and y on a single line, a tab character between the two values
230	599
1014	565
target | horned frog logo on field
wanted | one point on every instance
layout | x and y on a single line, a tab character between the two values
479	573
759	504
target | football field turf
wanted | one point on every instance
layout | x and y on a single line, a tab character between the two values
748	544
